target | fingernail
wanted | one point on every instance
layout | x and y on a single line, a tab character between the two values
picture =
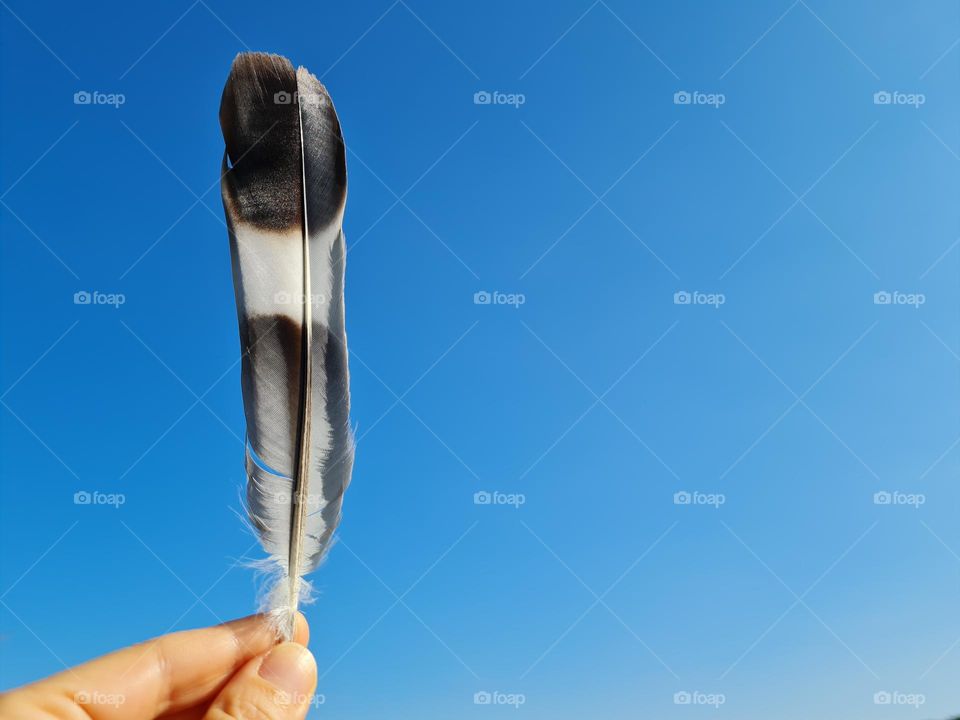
290	668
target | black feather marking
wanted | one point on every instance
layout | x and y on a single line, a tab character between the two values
261	128
261	338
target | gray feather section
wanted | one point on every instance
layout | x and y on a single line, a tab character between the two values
326	187
269	497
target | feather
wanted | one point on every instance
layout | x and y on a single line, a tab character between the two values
284	185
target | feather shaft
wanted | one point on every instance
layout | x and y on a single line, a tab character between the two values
300	501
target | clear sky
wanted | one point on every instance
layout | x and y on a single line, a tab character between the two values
583	197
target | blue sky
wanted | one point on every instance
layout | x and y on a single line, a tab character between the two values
811	224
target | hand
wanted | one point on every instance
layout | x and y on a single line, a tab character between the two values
235	671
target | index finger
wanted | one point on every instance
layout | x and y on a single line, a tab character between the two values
164	675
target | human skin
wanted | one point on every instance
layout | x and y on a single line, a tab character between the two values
234	671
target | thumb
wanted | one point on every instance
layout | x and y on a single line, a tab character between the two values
275	686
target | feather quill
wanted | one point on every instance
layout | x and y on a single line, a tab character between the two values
284	188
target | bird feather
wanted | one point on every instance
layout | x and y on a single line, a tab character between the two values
284	185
